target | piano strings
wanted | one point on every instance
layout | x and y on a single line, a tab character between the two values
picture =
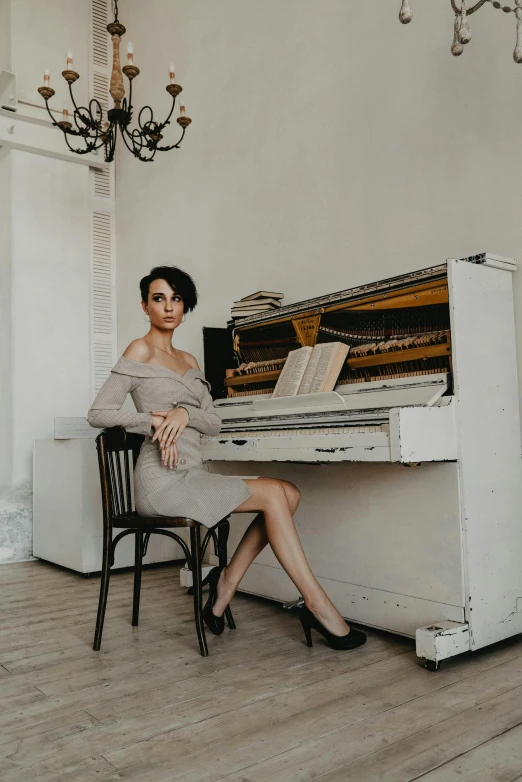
392	331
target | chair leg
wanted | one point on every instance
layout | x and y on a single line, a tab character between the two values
195	547
222	533
138	559
104	591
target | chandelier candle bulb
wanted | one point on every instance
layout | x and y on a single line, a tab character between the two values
130	53
182	109
65	112
47	78
172	73
69	60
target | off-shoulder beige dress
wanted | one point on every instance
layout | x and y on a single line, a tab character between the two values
189	490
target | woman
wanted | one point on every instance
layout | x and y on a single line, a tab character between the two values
174	408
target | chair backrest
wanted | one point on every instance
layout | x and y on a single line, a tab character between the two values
114	446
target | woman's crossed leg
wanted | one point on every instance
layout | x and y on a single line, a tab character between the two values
276	501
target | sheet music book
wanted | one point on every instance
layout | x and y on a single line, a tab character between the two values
263	295
311	370
256	303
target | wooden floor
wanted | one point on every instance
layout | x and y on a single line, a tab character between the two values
262	706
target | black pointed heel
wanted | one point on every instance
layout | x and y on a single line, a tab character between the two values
216	624
349	641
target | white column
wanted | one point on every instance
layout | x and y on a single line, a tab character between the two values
46	205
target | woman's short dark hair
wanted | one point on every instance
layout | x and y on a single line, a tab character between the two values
179	281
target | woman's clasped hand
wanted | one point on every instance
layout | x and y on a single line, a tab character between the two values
168	428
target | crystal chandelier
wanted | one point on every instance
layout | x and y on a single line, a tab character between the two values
462	31
96	128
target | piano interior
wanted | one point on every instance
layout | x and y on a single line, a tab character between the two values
395	328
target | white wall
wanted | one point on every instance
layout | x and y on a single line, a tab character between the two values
6	430
50	299
41	35
330	146
5	37
45	213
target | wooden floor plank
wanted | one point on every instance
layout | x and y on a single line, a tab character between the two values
497	760
416	736
262	706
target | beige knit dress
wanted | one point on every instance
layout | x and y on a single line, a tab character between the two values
189	490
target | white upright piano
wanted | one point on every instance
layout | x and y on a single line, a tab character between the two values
410	470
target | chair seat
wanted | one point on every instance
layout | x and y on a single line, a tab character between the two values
136	521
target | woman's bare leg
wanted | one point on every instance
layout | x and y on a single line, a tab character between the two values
269	497
251	544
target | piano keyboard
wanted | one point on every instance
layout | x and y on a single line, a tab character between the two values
359	443
333	430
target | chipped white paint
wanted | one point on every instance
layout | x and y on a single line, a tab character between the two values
360	447
442	639
423	434
489	448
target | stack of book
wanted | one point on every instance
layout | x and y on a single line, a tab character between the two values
256	303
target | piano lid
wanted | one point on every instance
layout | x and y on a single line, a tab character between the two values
432	274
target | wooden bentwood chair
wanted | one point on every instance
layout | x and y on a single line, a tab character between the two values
113	447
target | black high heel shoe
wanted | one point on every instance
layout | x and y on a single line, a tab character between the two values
349	641
216	624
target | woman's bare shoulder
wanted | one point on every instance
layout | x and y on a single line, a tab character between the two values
190	359
138	350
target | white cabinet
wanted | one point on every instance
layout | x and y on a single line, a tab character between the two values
67	513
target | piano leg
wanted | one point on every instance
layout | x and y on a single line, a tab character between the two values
294	603
441	640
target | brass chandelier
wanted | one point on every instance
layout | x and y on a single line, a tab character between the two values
95	128
461	28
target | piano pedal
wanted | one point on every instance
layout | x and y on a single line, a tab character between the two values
294	604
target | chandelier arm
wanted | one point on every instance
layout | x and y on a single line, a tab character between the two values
110	144
84	130
50	112
173	146
143	128
89	147
129	107
78	111
87	119
136	152
91	142
100	111
135	136
476	7
469	11
163	125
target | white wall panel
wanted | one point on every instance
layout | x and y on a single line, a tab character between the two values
50	298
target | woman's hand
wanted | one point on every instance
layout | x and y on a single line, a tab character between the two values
172	426
169	456
169	453
157	419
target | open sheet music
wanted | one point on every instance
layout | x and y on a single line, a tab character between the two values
311	370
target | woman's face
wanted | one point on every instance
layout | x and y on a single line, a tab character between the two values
164	306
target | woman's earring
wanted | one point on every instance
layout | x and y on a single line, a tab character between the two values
184	318
146	318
